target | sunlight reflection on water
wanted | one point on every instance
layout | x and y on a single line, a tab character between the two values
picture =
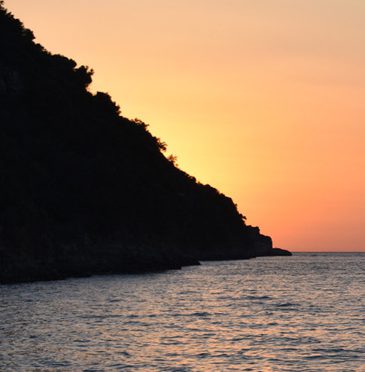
300	313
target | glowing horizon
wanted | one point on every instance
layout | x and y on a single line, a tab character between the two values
262	100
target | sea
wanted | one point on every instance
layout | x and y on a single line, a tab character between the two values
299	313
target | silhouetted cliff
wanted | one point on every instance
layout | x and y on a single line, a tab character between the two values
84	190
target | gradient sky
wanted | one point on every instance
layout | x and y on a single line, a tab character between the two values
262	99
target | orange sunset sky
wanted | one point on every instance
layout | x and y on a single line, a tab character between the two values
262	99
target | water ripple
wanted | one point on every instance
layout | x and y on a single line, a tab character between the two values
302	313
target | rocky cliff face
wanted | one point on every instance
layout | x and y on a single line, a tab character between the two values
84	190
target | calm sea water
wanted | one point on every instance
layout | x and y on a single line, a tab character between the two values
300	313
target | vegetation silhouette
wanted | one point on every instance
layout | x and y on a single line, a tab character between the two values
84	190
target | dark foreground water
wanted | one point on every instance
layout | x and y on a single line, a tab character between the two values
300	313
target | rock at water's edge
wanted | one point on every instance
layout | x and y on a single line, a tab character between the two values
280	252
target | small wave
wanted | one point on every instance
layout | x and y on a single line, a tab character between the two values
116	366
125	353
286	304
196	313
81	341
101	317
112	300
132	316
331	350
311	357
238	339
200	314
251	297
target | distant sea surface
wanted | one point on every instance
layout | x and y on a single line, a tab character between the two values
300	313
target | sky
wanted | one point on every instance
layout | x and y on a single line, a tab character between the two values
262	99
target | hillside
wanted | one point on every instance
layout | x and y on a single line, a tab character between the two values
84	190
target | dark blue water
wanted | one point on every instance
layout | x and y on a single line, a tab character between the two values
300	313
